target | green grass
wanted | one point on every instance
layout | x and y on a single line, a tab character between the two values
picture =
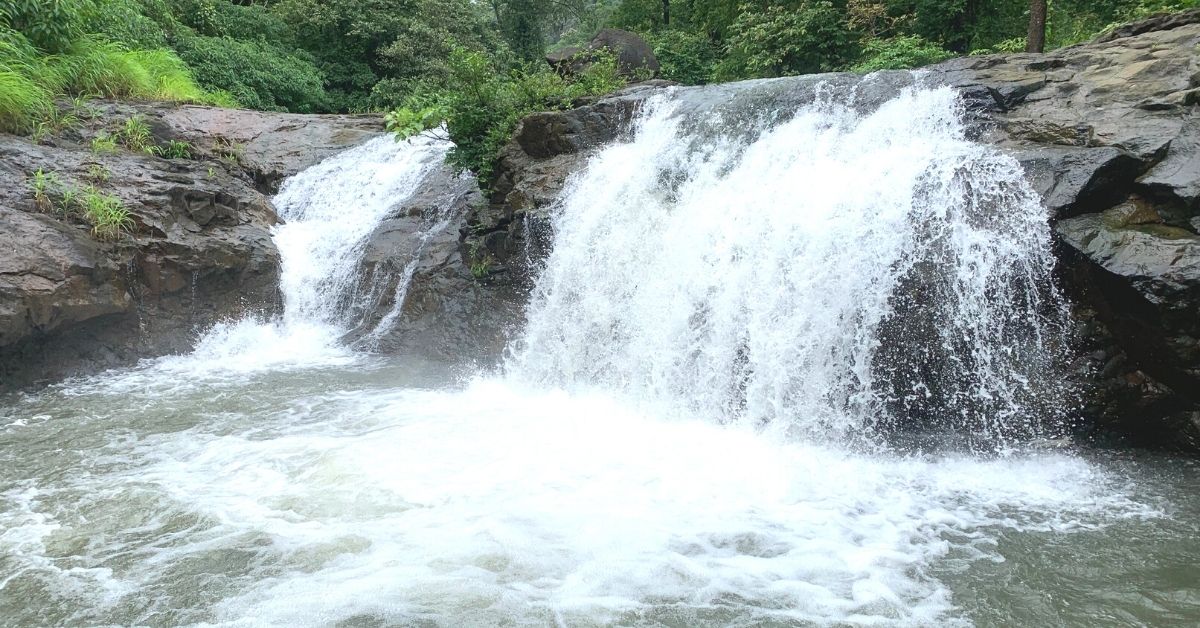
43	184
228	150
55	121
30	79
105	212
104	143
98	173
68	202
174	149
135	134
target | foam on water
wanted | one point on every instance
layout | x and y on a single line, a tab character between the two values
498	504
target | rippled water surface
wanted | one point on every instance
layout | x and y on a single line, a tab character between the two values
356	491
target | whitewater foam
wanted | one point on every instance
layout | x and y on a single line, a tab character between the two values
833	272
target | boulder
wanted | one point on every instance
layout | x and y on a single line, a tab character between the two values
635	58
430	301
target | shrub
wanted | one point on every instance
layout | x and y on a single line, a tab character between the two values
259	75
125	21
899	53
50	25
43	56
780	41
482	105
686	57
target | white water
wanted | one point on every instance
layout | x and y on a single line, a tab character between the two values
617	473
749	279
328	211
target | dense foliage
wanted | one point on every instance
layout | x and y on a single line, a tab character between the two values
476	65
481	103
46	51
707	40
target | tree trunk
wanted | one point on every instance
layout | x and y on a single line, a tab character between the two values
666	12
1035	41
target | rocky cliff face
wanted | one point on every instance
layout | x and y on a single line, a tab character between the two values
198	249
1109	132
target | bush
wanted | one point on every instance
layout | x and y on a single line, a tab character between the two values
481	105
257	74
899	53
124	21
31	79
779	41
686	57
50	25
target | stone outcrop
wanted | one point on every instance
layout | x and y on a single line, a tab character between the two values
1109	134
635	58
432	303
198	250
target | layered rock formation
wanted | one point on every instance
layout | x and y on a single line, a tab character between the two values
1109	132
198	250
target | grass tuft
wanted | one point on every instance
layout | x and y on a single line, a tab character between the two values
135	135
106	213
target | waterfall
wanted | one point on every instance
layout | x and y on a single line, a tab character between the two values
328	212
836	273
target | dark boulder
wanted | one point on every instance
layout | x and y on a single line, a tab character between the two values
431	302
635	58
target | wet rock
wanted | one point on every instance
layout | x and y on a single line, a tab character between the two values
267	147
1075	180
431	301
199	249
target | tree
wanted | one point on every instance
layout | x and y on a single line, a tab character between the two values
1035	41
521	24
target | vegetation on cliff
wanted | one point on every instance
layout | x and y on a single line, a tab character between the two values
476	66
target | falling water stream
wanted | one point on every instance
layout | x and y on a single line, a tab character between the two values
700	423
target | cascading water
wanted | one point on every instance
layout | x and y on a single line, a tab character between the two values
824	269
758	276
328	211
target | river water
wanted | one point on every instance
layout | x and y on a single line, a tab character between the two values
695	427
